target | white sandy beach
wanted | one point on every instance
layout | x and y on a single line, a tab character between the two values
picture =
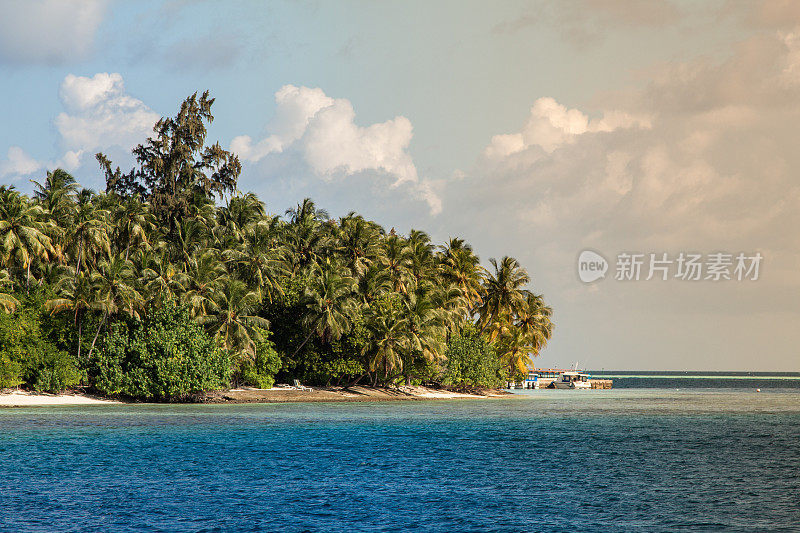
18	398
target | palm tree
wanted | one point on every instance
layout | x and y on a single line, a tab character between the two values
535	322
8	303
57	197
159	277
23	234
258	260
503	294
113	283
233	318
204	277
425	327
396	261
133	222
75	293
330	305
461	267
89	237
359	244
387	343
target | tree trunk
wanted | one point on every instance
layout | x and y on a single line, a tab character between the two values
80	339
78	265
303	344
91	348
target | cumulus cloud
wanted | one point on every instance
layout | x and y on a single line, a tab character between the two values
49	31
551	125
99	113
323	132
18	163
701	159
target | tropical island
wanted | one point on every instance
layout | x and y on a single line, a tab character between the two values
172	282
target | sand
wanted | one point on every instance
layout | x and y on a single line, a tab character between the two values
18	398
279	394
336	394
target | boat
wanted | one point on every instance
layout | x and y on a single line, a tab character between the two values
573	379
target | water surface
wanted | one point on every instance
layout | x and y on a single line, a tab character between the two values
706	459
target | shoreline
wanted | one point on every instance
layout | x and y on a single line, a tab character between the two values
19	398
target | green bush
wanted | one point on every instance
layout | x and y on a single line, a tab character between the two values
472	362
27	355
166	356
260	372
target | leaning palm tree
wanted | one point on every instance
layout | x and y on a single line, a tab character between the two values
503	294
535	322
23	234
234	320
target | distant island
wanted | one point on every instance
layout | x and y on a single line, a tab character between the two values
172	282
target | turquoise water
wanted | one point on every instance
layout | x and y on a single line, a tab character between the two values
704	459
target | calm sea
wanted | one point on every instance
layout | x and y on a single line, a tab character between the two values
700	458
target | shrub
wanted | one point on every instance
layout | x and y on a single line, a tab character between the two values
472	362
165	356
260	371
28	357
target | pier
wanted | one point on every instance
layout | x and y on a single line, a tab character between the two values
543	378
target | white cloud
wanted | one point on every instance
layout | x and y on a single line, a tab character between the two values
324	132
551	125
49	31
18	163
702	159
100	114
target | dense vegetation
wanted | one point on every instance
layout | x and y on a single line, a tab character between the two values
171	281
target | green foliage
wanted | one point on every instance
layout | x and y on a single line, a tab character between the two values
260	371
27	355
472	362
165	356
341	299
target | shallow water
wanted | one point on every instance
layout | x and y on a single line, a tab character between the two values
618	460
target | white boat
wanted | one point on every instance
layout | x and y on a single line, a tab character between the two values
573	380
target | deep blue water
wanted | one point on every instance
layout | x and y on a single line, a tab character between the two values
618	460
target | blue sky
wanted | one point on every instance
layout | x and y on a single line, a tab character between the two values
533	129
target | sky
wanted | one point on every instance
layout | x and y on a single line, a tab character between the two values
537	130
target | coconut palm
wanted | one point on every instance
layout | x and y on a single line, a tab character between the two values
23	233
74	293
88	240
330	305
460	266
504	296
233	318
114	286
8	303
133	222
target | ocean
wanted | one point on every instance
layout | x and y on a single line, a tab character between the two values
704	457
